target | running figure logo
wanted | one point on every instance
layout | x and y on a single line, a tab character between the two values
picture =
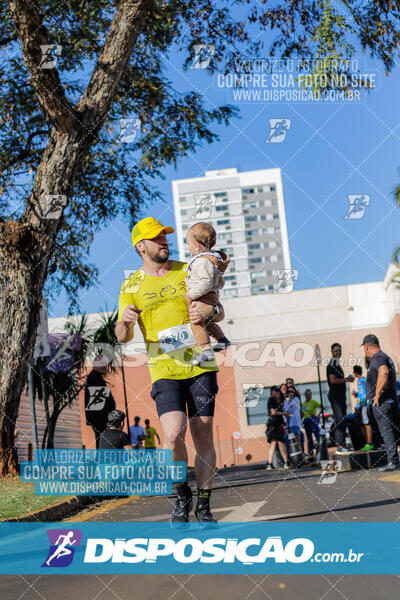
129	130
50	55
203	53
62	547
204	204
278	130
252	392
330	470
357	205
286	279
98	396
54	205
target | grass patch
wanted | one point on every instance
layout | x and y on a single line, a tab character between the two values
18	498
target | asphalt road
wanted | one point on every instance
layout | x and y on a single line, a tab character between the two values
241	494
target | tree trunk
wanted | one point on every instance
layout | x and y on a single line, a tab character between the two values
19	310
26	245
50	434
25	249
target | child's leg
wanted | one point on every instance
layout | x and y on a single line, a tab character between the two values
215	331
200	333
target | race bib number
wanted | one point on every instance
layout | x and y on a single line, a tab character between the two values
175	338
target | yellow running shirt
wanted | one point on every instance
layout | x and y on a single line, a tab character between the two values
164	305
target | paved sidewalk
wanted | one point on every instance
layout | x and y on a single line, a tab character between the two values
241	494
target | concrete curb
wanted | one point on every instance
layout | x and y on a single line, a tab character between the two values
55	512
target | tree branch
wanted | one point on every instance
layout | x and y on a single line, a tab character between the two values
125	28
26	152
46	82
8	40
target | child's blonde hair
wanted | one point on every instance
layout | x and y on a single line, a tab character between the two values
204	234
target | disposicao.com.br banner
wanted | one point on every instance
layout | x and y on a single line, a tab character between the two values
284	548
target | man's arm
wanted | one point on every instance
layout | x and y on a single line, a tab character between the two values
199	312
124	328
333	379
383	374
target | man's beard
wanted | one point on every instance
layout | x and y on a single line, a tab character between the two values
160	258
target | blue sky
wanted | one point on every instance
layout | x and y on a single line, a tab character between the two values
331	150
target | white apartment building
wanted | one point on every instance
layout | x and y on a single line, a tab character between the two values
247	210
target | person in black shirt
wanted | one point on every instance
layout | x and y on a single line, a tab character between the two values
275	431
337	397
99	401
380	390
114	438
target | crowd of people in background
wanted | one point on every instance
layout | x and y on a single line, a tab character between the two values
287	413
373	423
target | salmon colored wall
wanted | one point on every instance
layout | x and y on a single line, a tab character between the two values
229	415
138	386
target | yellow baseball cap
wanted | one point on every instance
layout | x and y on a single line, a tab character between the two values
147	229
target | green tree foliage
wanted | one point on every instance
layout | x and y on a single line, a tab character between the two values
117	178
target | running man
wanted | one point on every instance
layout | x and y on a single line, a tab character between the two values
62	542
154	296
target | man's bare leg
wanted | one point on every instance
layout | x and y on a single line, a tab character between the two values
204	466
174	425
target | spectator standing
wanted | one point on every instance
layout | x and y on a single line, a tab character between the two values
290	383
362	408
381	393
151	433
337	397
310	420
113	437
275	431
292	407
138	434
99	401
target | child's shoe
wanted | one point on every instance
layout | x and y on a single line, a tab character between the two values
222	344
204	356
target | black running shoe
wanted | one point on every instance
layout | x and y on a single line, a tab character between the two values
204	515
182	508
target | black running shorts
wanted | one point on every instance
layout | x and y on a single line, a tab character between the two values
197	394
